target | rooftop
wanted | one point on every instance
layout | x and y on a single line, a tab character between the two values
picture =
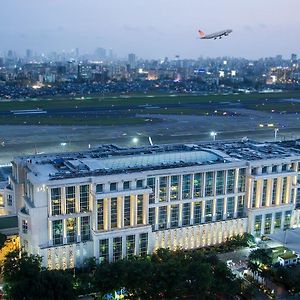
112	159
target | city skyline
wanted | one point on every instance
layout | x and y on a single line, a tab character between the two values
152	30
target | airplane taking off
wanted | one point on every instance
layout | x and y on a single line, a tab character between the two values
216	35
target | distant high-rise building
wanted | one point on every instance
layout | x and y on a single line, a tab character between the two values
100	53
28	54
293	57
132	59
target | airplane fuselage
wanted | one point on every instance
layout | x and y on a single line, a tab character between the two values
216	35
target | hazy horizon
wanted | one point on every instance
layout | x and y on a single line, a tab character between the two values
152	29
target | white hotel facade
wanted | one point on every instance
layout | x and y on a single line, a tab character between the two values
111	202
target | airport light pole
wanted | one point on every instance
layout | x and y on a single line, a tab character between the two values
275	134
213	134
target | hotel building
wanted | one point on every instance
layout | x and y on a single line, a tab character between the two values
113	202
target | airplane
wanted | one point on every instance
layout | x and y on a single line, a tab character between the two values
216	35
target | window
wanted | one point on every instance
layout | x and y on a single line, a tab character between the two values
57	232
113	186
242	180
84	197
100	212
257	225
240	206
274	169
56	201
139	212
174	215
163	189
254	194
186	212
277	221
143	244
114	212
9	200
186	186
298	199
264	170
197	212
264	193
220	209
174	188
1	201
209	181
25	226
99	188
103	250
208	210
140	183
220	183
71	230
162	217
127	211
152	217
117	248
70	199
85	228
151	184
230	207
284	189
130	246
230	181
274	191
268	222
198	181
284	167
126	185
287	219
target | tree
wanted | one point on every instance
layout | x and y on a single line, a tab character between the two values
3	238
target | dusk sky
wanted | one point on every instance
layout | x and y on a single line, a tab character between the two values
152	29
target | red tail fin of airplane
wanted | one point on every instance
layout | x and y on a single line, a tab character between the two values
201	33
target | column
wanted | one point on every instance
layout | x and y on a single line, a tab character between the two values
106	213
64	231
77	199
269	192
145	209
133	208
120	214
78	227
63	201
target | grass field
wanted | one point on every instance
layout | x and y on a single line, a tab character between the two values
98	101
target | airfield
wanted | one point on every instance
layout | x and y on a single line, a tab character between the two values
77	123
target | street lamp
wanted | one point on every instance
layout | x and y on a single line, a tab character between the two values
213	134
275	134
135	140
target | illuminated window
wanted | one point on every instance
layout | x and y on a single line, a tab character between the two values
277	221
57	230
174	215
56	201
257	225
274	191
152	217
114	212
220	209
268	222
1	201
230	181
197	212
208	210
186	186
103	250
100	214
151	184
84	198
24	226
220	183
174	195
264	193
240	206
163	188
209	183
143	244
230	207
162	217
130	246
9	200
139	213
198	181
70	199
117	248
186	212
127	211
242	180
287	219
71	230
85	228
298	198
